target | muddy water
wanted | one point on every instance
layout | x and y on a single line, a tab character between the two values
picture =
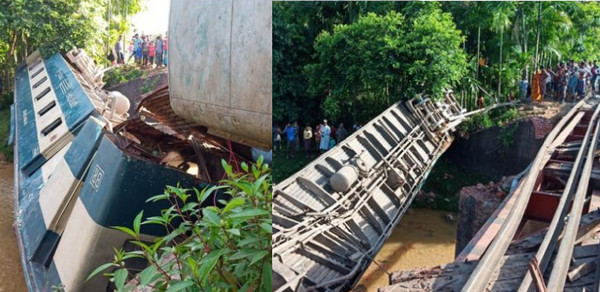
11	272
423	238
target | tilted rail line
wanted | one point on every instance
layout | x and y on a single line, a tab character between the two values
331	218
576	133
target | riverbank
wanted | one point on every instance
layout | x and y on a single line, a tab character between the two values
423	238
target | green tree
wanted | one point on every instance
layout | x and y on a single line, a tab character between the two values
377	60
296	25
53	26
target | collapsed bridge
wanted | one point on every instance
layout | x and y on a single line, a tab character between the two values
332	217
561	189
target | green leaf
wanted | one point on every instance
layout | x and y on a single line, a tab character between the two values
250	213
235	202
258	256
191	206
206	192
245	186
120	277
247	241
133	254
148	275
259	161
255	171
244	166
258	183
158	197
208	263
136	223
211	217
155	220
243	253
267	227
180	286
240	269
142	245
267	277
100	269
193	264
126	230
234	231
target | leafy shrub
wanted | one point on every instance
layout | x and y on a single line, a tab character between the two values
508	116
476	122
149	84
507	135
212	249
121	74
481	121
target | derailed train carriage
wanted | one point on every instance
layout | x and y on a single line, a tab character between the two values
82	165
332	217
77	174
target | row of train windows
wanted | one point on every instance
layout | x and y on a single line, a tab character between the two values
48	129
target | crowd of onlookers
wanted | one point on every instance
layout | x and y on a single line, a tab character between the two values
146	50
566	81
313	140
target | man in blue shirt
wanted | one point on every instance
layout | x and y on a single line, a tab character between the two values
159	51
291	132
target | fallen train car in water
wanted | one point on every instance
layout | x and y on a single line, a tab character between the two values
332	217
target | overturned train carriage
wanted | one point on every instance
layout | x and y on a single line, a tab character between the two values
331	218
82	165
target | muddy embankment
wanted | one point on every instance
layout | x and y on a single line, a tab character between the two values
500	153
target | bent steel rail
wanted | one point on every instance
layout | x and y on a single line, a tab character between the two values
332	217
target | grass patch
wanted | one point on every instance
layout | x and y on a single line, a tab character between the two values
284	167
121	74
445	181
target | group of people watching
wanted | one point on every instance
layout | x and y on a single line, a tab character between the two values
323	136
147	51
567	81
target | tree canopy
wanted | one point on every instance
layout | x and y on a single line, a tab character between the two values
334	59
58	26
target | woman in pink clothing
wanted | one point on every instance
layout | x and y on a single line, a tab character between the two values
165	47
151	53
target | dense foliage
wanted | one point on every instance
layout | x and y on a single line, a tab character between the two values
121	74
390	58
212	249
53	26
333	59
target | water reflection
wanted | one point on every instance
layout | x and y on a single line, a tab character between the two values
11	273
423	238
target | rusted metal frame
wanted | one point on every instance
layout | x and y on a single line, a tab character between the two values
543	206
565	250
534	269
483	272
549	242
